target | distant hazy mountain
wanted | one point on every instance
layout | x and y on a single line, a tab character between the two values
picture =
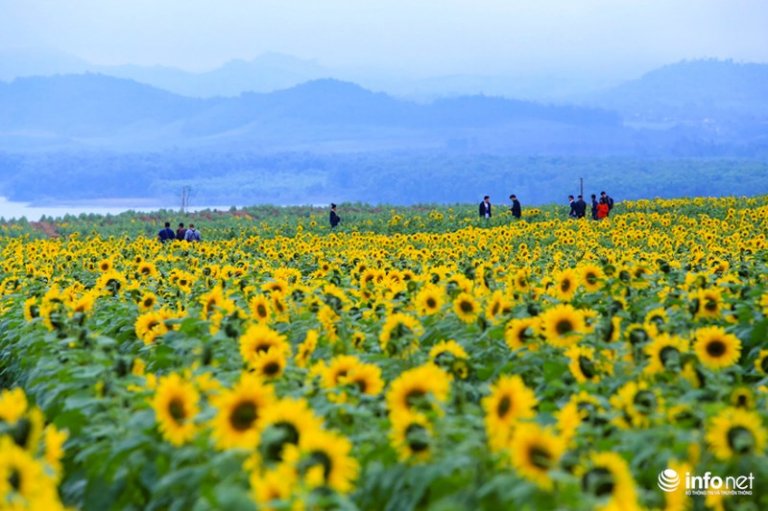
104	111
20	62
699	91
266	73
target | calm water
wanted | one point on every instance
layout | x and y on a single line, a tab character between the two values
10	209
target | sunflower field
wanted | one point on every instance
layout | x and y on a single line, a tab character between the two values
415	360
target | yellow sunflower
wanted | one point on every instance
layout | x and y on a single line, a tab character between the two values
285	422
176	406
736	432
562	325
270	365
306	348
715	348
591	277
399	328
23	482
585	365
422	388
451	357
608	479
429	300
323	459
566	283
273	487
259	339
761	363
13	405
366	378
412	436
664	353
535	451
638	404
151	325
522	333
465	307
510	400
147	302
236	424
260	308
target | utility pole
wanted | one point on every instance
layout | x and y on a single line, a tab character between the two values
185	192
581	186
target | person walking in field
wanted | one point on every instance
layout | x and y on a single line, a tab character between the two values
572	204
602	209
335	219
581	207
485	207
192	234
608	200
594	207
181	232
516	210
166	234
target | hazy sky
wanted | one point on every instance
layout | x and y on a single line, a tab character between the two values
417	37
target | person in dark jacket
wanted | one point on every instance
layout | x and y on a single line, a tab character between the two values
334	218
166	234
572	204
581	207
594	207
608	200
181	232
516	210
485	207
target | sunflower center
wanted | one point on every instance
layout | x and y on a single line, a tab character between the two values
417	437
261	311
505	404
598	481
466	306
148	302
645	401
591	278
638	336
362	385
540	457
764	364
14	479
587	367
262	347
272	368
742	401
564	326
276	437
495	309
431	303
741	440
716	348
670	357
416	398
176	409
243	415
565	285
319	458
21	432
525	334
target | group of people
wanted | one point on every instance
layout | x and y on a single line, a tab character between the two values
600	208
486	210
181	233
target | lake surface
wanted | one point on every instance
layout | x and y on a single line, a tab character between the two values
33	212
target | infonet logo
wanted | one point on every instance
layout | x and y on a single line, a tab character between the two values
669	481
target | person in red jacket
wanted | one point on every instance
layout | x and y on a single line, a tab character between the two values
602	209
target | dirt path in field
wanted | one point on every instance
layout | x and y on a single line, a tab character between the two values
46	227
